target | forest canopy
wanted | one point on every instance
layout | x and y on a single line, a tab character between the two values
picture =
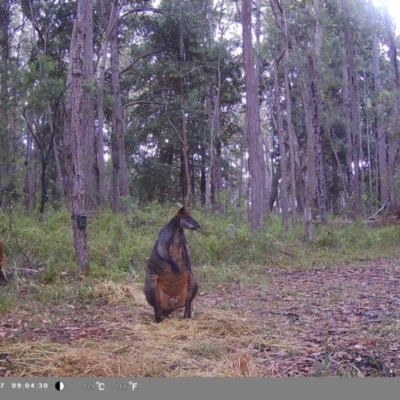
280	105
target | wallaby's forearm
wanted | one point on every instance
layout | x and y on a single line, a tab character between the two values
164	254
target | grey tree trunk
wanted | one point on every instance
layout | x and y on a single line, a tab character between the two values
257	189
67	139
381	134
123	175
319	154
311	174
75	103
213	179
100	128
292	142
60	183
354	112
346	113
296	179
282	150
31	175
395	127
92	188
108	19
183	135
5	137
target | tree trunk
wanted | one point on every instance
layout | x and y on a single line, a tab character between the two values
67	139
59	176
117	111
292	143
203	178
107	11
5	142
211	122
184	177
257	190
273	194
380	133
395	130
75	100
282	150
296	178
30	180
214	184
91	200
354	112
43	181
115	188
346	113
319	154
311	174
183	136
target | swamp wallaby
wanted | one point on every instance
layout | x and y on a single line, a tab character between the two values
170	282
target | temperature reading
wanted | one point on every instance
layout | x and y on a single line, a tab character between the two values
100	385
133	384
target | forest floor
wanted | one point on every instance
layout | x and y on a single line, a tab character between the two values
331	321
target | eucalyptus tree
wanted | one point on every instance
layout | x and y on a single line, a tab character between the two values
43	74
154	102
394	136
6	164
76	121
256	163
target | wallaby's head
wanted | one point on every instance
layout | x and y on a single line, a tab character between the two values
187	221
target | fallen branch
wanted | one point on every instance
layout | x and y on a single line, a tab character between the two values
381	209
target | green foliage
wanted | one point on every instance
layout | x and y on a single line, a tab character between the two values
223	250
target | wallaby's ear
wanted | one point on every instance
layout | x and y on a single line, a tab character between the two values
181	212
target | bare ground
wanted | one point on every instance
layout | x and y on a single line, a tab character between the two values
340	321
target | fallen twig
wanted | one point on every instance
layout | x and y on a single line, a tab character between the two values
381	209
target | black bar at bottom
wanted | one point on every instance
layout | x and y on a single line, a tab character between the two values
199	388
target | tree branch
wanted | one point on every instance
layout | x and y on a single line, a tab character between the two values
138	59
142	9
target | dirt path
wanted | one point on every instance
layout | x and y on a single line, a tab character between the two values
338	321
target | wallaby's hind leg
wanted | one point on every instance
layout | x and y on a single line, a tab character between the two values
193	288
153	298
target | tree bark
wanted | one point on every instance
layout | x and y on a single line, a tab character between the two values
319	154
30	180
257	190
67	139
395	129
380	133
282	150
184	136
346	113
123	175
211	122
296	179
107	23
75	99
311	174
354	112
92	188
59	176
5	142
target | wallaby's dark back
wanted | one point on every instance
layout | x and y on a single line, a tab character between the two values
170	282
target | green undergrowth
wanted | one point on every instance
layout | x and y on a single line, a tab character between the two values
223	249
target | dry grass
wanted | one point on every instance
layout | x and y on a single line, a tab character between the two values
341	321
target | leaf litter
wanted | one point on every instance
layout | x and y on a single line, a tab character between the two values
336	321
